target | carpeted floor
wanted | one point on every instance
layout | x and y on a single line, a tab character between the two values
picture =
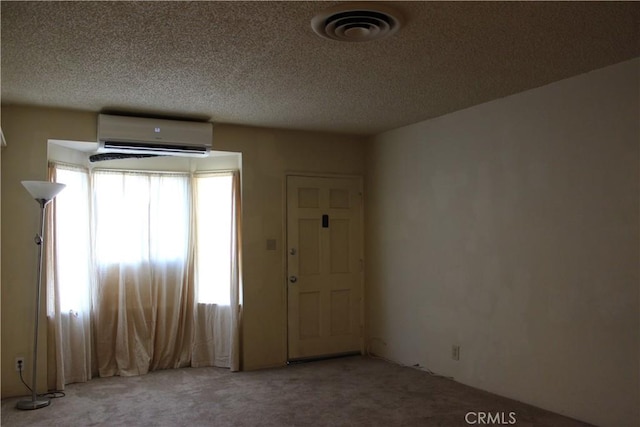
354	391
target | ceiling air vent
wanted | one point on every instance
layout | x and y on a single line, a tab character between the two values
357	22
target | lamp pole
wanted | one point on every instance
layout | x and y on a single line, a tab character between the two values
43	193
36	403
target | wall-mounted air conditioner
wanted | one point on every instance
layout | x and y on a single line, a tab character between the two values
135	135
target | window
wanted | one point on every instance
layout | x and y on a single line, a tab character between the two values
213	238
73	248
135	218
140	217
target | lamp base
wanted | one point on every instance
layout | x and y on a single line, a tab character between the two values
33	404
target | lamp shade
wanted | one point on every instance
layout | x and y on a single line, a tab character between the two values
43	190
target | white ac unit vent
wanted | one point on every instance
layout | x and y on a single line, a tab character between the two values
136	135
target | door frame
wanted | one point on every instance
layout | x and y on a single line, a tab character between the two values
284	253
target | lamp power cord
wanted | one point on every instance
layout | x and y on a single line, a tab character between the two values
54	394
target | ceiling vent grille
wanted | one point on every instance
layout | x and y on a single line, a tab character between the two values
358	22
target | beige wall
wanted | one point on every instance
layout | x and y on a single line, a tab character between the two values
26	158
512	230
267	155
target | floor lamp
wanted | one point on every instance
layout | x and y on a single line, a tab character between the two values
43	192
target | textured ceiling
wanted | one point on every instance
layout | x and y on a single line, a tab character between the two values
259	63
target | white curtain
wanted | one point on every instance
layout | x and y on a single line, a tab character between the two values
144	291
148	293
216	336
236	273
69	285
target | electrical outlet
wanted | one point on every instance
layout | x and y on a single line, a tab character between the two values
455	352
19	364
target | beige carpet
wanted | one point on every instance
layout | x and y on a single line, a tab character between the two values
354	391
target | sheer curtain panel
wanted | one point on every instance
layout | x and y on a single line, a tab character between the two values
70	280
144	287
216	337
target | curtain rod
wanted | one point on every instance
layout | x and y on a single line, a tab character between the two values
161	172
165	172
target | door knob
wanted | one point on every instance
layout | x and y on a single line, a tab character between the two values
293	279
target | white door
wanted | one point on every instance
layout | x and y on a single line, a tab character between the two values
324	246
